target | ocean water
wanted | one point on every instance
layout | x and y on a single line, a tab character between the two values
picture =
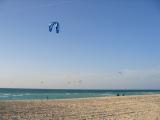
22	94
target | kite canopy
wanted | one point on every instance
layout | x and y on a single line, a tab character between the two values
56	24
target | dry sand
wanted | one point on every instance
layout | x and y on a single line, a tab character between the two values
146	107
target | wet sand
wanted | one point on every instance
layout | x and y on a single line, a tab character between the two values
144	107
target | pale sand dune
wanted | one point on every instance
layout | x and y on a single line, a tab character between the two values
146	107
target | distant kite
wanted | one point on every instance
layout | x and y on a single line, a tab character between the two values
56	24
120	73
68	82
42	82
79	81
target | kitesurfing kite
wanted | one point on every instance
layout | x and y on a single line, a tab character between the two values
54	24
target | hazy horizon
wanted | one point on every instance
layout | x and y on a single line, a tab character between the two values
107	44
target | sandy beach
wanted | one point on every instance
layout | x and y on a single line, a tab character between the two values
144	107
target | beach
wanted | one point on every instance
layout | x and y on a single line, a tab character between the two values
142	107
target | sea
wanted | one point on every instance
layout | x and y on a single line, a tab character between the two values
31	94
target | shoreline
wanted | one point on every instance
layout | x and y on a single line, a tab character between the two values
63	99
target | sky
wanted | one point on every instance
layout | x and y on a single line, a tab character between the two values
102	44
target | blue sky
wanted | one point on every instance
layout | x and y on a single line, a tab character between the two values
107	44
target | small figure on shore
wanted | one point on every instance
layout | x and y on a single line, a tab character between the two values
118	94
123	94
47	97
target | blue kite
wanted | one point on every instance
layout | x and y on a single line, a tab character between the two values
56	24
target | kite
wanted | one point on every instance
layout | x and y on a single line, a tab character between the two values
56	24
